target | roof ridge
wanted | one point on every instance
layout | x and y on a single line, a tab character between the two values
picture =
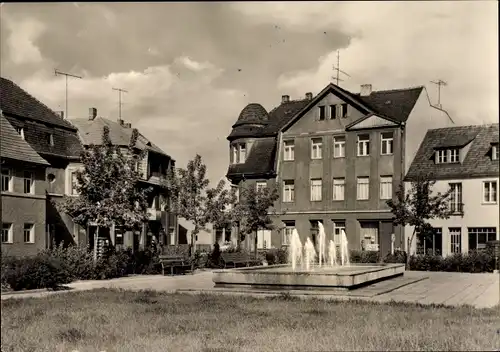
393	90
465	126
36	99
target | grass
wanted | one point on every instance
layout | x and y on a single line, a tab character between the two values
117	320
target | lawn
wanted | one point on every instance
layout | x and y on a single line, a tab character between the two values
113	320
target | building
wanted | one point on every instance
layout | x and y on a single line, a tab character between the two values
162	225
465	159
336	158
56	141
22	188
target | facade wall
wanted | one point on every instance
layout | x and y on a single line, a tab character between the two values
476	214
19	208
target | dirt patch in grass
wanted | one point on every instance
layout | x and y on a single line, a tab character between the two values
115	320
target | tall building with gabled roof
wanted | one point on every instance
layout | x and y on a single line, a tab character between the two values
335	158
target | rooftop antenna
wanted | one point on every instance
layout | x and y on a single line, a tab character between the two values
439	83
338	70
57	72
120	91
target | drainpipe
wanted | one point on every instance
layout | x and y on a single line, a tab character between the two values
403	167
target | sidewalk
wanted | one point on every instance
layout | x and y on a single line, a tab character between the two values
479	290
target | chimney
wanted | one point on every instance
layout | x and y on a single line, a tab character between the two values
366	89
309	96
285	98
120	122
127	125
61	114
92	114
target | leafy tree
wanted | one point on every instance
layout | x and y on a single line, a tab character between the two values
107	187
256	210
193	199
418	206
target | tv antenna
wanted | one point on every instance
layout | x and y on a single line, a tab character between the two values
120	91
439	83
57	72
338	70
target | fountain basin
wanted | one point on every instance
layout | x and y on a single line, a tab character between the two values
318	278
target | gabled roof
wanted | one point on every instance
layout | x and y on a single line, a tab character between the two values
372	121
477	161
19	103
90	132
13	146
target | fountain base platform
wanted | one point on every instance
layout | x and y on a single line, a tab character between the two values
276	277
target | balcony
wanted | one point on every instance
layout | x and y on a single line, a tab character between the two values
456	209
154	214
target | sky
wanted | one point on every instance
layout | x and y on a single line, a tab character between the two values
190	68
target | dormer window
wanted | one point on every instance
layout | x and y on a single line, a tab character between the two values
239	153
20	130
494	152
448	156
50	139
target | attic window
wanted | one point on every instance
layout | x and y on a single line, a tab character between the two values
322	112
494	152
448	156
50	139
20	130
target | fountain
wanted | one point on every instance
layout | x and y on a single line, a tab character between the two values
309	275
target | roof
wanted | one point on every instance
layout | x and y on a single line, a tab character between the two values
395	104
13	146
90	132
17	102
477	161
253	113
260	159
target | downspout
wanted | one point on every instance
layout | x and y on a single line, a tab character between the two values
277	163
403	172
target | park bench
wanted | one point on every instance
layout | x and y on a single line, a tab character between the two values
235	258
175	261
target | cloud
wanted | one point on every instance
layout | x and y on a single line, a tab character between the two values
21	40
194	65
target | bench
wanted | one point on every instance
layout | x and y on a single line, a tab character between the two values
235	258
175	261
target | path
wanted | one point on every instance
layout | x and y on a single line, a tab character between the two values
479	290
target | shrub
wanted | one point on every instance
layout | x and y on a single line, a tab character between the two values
77	262
275	256
397	257
472	262
40	271
357	256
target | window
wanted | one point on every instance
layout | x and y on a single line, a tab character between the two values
20	130
369	235
343	110
74	184
6	180
236	191
29	235
494	152
385	187
288	191
316	148
321	112
260	185
316	188
338	188
363	188
263	239
333	111
6	233
339	147
338	226
234	150
289	151
456	198
455	239
490	191
479	236
363	145
28	182
431	243
447	156
50	138
242	153
287	232
387	143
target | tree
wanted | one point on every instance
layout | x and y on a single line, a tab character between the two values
255	210
419	206
107	187
193	199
